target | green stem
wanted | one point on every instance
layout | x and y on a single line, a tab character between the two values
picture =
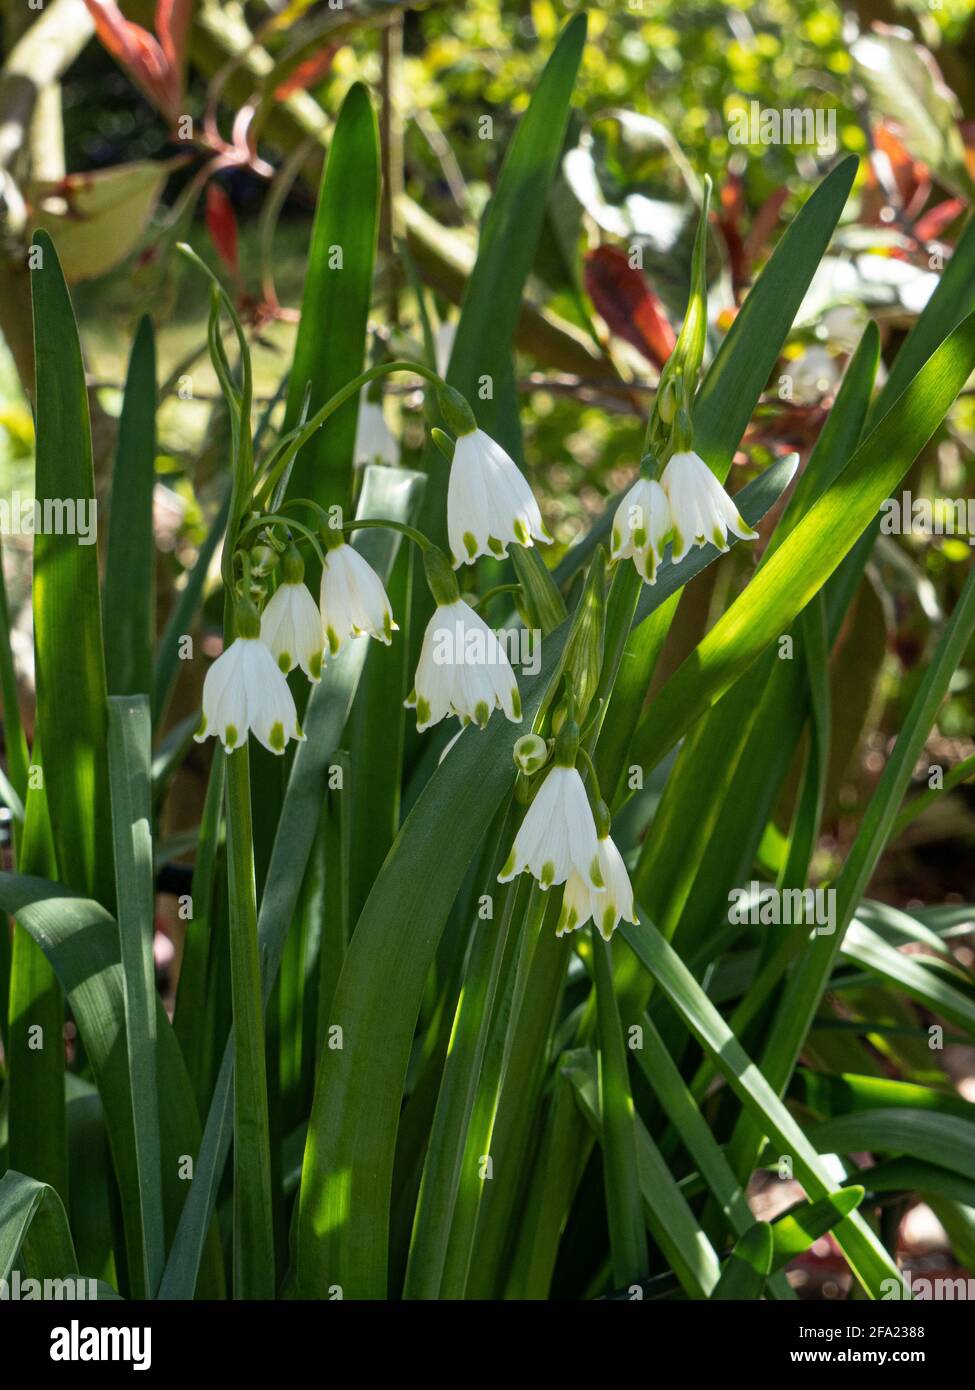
498	589
253	1222
275	518
266	483
365	524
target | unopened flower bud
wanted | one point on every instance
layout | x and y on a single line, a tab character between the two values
530	753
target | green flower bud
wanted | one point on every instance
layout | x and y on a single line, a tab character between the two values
444	443
584	649
263	559
530	753
667	401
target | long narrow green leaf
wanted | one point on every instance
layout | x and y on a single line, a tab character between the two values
669	1217
81	942
867	1257
129	593
748	1266
33	1225
509	236
923	1134
330	345
71	691
805	986
129	753
627	1239
798	1229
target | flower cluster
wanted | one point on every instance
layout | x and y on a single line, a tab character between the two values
687	505
246	687
463	669
561	840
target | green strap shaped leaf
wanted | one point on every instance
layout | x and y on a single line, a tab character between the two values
81	942
129	754
748	1266
330	345
34	1226
130	564
67	608
866	1255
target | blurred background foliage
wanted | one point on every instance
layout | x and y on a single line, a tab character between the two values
661	85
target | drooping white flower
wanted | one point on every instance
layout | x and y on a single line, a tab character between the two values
489	504
353	601
557	838
606	906
463	670
291	627
701	509
641	526
245	690
374	440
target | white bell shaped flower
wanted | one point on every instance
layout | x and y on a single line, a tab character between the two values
374	440
641	526
353	601
291	627
557	838
701	509
606	906
245	690
489	504
463	670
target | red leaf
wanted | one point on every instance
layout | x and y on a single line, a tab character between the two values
311	70
936	219
628	304
140	53
222	226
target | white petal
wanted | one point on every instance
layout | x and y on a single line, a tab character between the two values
616	901
702	510
577	903
291	629
463	669
558	835
270	705
353	600
488	499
